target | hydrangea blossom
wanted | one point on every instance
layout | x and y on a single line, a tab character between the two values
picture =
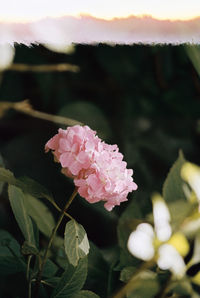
98	169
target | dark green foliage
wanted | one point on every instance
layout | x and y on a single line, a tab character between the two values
146	100
11	260
173	186
17	202
71	281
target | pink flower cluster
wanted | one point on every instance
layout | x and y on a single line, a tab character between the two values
98	169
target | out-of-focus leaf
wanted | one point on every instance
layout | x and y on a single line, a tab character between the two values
182	287
34	188
26	184
40	213
90	114
173	185
146	286
127	273
191	227
193	52
7	176
1	166
36	234
28	249
53	281
179	210
75	242
61	258
128	221
72	280
17	198
11	261
50	269
98	270
196	253
85	294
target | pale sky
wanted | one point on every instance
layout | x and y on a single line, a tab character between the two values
28	10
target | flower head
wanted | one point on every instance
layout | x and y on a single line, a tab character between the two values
191	174
168	250
98	169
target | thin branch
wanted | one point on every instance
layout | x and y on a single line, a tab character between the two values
29	289
49	117
46	283
61	67
28	267
26	108
60	210
39	276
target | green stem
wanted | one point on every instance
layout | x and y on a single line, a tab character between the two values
28	275
29	289
25	108
28	266
58	208
132	282
63	213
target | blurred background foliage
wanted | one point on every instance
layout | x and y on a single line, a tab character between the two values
145	99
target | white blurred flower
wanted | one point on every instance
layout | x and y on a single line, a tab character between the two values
7	53
62	48
140	242
161	218
145	243
170	259
191	174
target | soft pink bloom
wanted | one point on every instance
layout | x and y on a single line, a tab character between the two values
74	148
98	169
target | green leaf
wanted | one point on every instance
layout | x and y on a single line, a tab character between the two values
146	285
193	52
28	185
28	249
128	221
85	111
75	242
61	258
11	261
173	185
40	213
50	269
34	188
17	198
72	280
7	176
145	288
127	273
98	270
179	211
85	294
182	288
53	281
196	251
